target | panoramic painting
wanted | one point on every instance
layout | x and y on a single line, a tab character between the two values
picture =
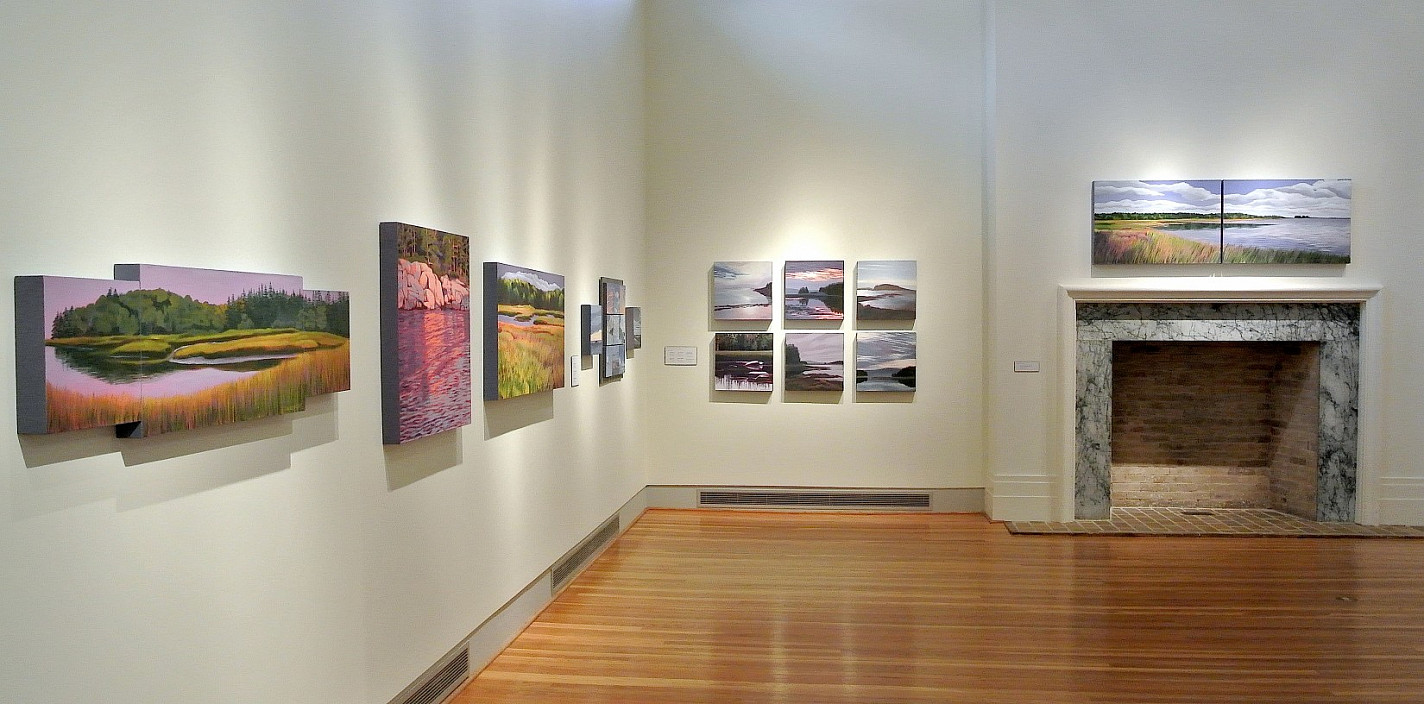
741	290
885	290
524	331
635	327
743	361
1295	221
591	341
885	361
815	361
815	290
425	332
173	348
1156	222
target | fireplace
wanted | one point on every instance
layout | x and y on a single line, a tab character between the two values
1309	339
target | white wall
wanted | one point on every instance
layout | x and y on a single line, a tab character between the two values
802	129
1118	89
295	559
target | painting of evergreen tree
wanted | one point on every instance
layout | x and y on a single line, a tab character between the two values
524	331
165	348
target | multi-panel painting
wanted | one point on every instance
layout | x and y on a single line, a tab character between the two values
814	361
425	332
165	348
743	361
741	290
885	290
524	331
885	361
1284	221
815	290
613	298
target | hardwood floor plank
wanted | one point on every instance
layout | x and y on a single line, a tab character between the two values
706	606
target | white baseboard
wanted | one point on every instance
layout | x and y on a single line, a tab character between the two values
1020	497
1404	505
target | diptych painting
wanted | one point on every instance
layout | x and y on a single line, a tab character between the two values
815	290
741	290
173	348
524	331
815	361
885	361
425	332
591	341
885	290
1288	221
743	361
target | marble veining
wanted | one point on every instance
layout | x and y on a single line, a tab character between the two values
1335	325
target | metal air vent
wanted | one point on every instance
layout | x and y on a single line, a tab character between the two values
565	569
437	684
814	499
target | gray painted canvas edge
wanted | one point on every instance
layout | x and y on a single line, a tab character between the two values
31	415
490	324
390	342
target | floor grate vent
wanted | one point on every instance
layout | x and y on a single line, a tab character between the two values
815	499
440	682
565	569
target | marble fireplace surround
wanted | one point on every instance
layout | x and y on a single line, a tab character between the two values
1094	314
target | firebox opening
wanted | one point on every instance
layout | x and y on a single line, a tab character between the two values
1204	425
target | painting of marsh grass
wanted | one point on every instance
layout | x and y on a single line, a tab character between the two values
1156	222
524	318
173	348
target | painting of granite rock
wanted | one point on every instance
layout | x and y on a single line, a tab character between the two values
164	348
743	361
815	290
634	327
885	361
815	361
615	361
741	290
1156	222
613	295
425	332
591	341
885	290
1292	221
524	331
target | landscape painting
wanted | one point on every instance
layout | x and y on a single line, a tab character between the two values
743	361
1294	221
815	361
885	361
615	361
425	332
613	295
591	341
885	290
815	290
1156	222
524	331
166	348
742	290
635	327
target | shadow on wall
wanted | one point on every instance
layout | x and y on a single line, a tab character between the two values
511	414
145	478
425	457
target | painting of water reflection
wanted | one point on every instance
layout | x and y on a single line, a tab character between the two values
815	290
815	361
741	290
885	361
885	290
1293	221
743	361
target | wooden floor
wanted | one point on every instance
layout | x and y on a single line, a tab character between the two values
703	606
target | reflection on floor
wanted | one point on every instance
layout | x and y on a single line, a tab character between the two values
1210	521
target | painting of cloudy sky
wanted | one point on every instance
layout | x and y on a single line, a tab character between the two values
1291	221
1156	222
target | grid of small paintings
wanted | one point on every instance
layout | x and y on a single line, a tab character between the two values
612	298
814	300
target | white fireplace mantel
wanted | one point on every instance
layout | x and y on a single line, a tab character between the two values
1222	289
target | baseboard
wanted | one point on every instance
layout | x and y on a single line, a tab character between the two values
1405	505
941	500
1026	497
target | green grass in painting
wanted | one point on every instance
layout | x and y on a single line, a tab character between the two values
1116	242
531	357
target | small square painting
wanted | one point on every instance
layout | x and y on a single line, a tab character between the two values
815	290
741	290
885	361
885	290
743	361
815	361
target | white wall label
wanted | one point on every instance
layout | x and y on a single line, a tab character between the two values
573	370
678	356
1021	367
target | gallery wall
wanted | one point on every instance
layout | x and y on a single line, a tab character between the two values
800	129
1103	90
296	559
